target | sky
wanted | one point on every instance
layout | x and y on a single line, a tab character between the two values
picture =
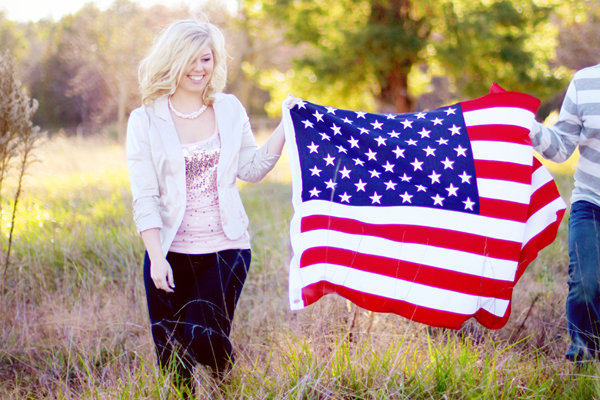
34	10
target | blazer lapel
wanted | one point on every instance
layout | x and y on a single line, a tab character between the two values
166	127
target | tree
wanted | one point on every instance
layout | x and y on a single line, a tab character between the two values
18	137
509	42
124	32
579	45
384	53
69	83
88	75
122	39
358	50
255	45
11	37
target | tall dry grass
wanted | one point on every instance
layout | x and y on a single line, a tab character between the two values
73	320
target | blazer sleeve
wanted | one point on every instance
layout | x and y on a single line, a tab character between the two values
254	162
142	174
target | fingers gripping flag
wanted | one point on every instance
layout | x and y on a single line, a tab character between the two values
433	215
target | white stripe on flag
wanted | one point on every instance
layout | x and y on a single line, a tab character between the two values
499	116
502	151
504	190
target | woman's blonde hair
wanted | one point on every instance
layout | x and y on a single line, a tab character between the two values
173	50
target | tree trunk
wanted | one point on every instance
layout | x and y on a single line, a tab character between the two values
121	108
393	83
395	92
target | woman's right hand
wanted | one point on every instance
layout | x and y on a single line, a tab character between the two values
160	269
162	275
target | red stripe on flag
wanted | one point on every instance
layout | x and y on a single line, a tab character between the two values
506	171
506	99
490	320
410	272
429	316
503	209
504	133
541	197
437	237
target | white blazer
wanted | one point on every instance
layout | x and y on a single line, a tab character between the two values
157	167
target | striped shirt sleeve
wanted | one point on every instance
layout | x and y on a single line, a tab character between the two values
560	141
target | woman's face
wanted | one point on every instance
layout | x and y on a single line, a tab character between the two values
199	72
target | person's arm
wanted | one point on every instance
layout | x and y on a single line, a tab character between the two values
256	162
145	194
276	140
560	141
160	269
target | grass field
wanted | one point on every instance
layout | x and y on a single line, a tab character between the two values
73	320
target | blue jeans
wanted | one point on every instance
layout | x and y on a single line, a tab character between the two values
583	300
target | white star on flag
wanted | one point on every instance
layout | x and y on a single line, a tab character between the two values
375	198
315	171
377	125
438	200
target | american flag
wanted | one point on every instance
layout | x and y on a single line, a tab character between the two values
431	215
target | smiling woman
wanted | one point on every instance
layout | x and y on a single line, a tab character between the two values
186	146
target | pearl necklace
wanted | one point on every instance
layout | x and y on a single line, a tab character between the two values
192	115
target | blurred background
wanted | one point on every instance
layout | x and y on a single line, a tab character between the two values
79	59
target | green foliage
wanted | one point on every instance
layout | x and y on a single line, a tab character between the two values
359	52
11	37
70	86
498	42
383	54
376	55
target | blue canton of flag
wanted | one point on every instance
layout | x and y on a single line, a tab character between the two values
356	158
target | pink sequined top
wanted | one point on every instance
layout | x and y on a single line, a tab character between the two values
200	231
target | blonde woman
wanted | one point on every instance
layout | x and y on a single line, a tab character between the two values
186	145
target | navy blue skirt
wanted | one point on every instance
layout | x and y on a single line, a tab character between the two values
192	324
